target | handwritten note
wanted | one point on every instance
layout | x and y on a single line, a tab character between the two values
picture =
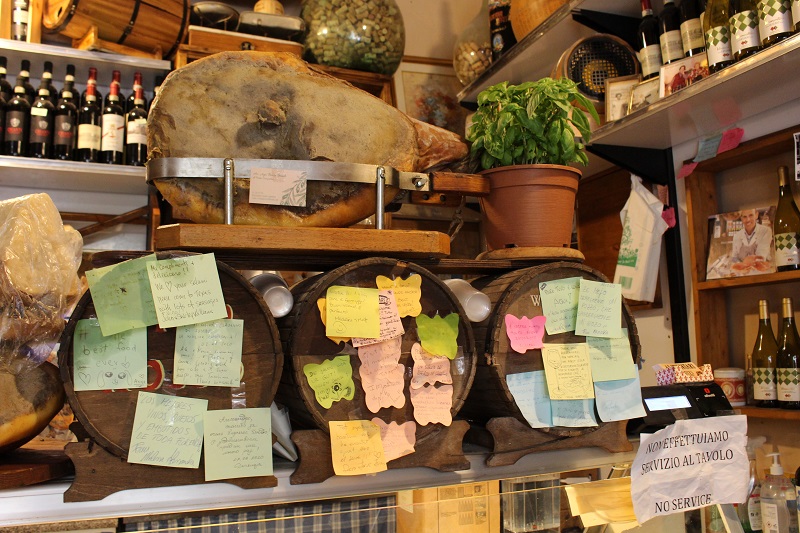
407	292
238	443
439	335
382	377
186	290
209	353
398	439
118	361
432	404
428	368
356	448
573	413
599	309
390	324
323	311
707	148
525	333
611	358
620	399
566	367
121	295
331	381
167	431
352	312
560	304
686	170
529	390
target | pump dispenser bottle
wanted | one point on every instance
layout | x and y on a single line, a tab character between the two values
778	503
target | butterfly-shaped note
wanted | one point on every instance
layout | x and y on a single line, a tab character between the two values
407	292
332	380
429	369
525	333
398	439
432	404
439	335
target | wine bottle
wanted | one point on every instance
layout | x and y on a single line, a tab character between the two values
92	80
40	144
765	354
116	77
692	28
669	29
787	226
5	87
136	131
796	21
23	78
47	83
137	84
775	21
112	134
649	47
88	128
18	112
64	126
69	84
788	360
19	21
156	89
717	34
745	39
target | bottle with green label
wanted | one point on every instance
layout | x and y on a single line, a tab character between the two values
765	354
718	34
787	226
775	21
788	360
745	39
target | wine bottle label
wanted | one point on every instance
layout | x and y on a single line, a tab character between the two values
744	27
671	45
796	11
15	125
788	385
63	130
692	35
41	130
20	16
754	512
137	131
650	59
764	386
89	136
786	249
775	17
718	45
39	111
112	136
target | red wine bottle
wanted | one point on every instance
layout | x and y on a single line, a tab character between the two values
69	84
116	76
649	47
692	28
93	82
18	112
137	84
47	83
40	143
65	124
23	78
6	89
136	131
88	128
2	121
112	136
669	28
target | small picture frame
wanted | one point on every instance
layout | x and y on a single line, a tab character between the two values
643	94
680	74
618	95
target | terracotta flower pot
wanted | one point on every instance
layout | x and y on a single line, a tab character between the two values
529	205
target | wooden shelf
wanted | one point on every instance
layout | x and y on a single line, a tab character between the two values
773	414
748	281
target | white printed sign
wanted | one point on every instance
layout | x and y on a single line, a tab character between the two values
273	186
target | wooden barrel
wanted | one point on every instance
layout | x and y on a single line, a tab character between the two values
107	415
517	293
144	25
305	342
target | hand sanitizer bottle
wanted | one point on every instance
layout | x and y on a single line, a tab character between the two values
778	501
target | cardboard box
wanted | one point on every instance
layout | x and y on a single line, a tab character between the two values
466	508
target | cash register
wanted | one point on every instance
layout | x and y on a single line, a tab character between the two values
664	404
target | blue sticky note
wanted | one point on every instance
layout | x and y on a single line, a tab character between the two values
619	399
529	390
573	413
707	148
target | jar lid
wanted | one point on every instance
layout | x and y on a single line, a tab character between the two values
729	372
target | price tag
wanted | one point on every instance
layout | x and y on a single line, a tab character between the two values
272	186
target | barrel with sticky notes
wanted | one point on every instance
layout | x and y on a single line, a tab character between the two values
383	341
549	377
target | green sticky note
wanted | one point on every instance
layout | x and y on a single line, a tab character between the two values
186	290
611	359
439	335
332	380
167	430
118	361
352	312
560	304
599	310
238	443
209	353
121	295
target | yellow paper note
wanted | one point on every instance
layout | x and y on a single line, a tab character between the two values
332	380
407	292
238	443
323	309
209	353
599	310
398	439
439	336
186	290
121	295
611	358
560	304
118	361
167	431
356	448
568	373
352	312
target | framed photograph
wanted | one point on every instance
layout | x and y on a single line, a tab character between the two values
618	94
740	243
427	90
680	74
643	94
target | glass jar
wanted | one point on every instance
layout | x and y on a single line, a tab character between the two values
356	34
472	53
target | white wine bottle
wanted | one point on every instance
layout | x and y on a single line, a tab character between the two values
787	226
775	21
745	39
765	354
788	360
717	34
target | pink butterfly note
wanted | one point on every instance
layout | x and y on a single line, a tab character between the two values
525	333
